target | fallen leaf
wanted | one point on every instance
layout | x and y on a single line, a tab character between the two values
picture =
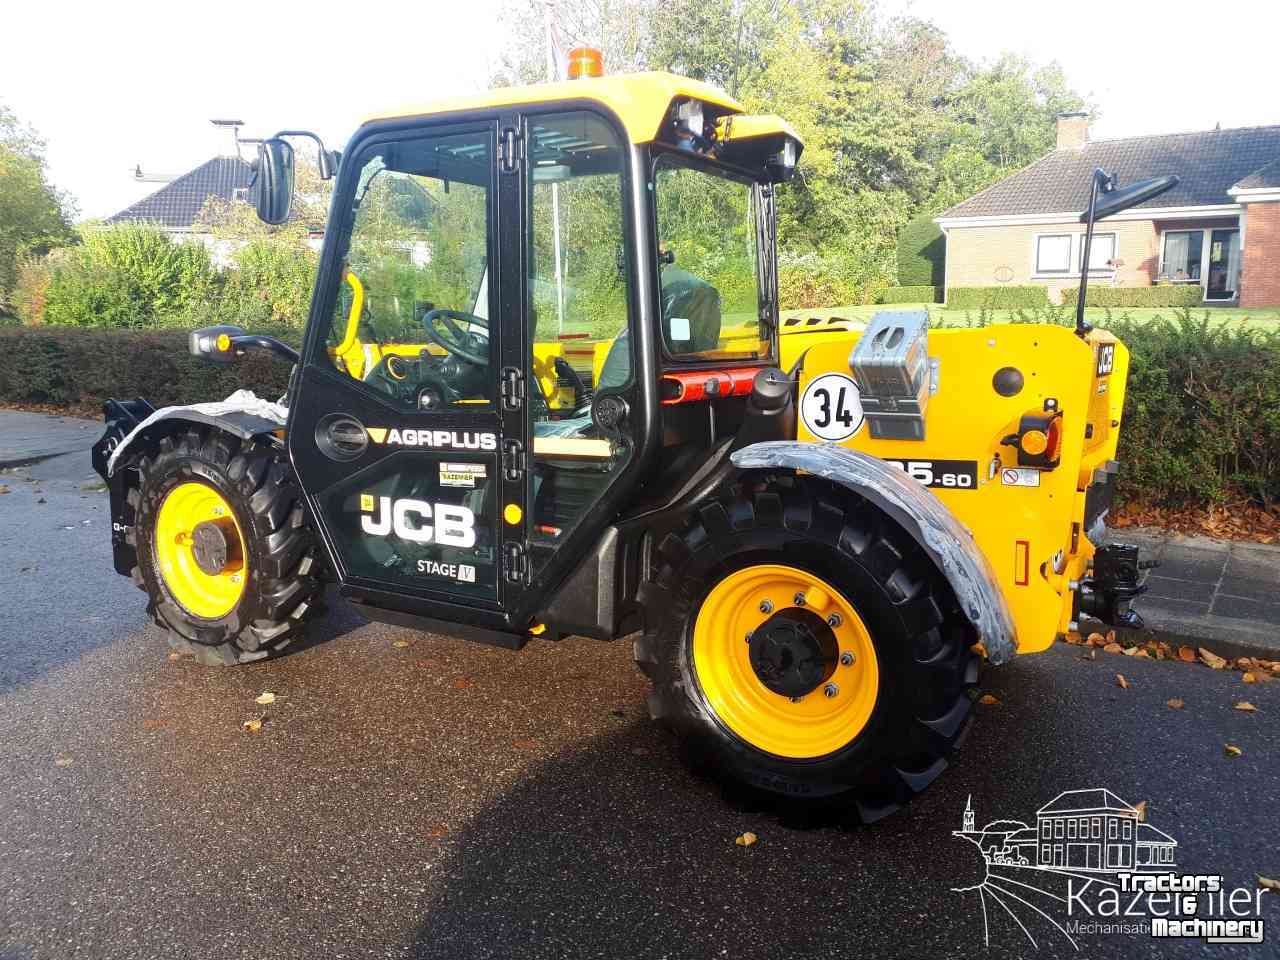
1143	654
1246	706
525	744
980	649
400	644
175	656
1121	682
437	830
461	683
1244	663
150	723
1177	703
1130	651
265	698
1097	639
1211	659
1232	750
1247	677
1071	637
1266	883
1113	648
747	839
1186	655
988	699
1111	636
254	725
1141	807
62	760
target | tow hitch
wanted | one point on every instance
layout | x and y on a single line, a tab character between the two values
1113	584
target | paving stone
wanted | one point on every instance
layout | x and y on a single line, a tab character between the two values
1243	609
1250	589
1254	564
1186	608
1192	563
1200	591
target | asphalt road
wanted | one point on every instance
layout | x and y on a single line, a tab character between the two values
447	800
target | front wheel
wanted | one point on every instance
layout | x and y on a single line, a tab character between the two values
224	552
799	641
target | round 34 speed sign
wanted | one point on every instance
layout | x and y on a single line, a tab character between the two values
830	407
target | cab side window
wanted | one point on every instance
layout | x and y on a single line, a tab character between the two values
411	316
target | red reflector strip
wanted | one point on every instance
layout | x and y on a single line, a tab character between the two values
1021	562
687	387
1054	440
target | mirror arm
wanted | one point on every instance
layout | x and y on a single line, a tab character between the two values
283	350
1099	179
326	158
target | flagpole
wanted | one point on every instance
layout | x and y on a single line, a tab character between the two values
555	187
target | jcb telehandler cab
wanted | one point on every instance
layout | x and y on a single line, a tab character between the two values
544	390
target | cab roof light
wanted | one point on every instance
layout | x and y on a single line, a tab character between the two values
585	62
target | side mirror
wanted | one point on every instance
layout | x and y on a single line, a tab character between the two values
273	181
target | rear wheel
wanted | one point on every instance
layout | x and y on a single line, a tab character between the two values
800	642
223	549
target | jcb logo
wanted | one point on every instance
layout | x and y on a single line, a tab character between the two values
1106	358
410	520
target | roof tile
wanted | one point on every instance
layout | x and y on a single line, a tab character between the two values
177	203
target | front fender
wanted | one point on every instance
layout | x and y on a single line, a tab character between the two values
947	541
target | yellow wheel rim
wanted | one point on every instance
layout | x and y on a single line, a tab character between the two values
202	594
816	724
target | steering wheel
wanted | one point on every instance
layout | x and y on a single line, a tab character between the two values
454	342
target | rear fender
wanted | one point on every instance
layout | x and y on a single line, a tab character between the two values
925	518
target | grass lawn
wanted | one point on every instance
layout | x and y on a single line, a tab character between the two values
1266	319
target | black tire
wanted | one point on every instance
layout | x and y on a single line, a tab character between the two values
921	639
281	585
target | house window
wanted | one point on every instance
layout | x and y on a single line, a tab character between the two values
1112	833
1057	829
1071	829
1044	854
1102	251
1183	253
1046	830
1097	828
1128	829
1053	253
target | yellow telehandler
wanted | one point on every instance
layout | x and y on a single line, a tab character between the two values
544	390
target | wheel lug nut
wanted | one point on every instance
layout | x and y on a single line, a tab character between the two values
799	599
830	690
766	606
846	659
834	620
796	699
749	635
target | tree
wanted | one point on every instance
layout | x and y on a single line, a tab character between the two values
34	215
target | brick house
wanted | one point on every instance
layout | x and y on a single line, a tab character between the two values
1219	228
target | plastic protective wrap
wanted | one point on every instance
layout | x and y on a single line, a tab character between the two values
248	413
921	514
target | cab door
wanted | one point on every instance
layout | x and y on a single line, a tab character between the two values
399	420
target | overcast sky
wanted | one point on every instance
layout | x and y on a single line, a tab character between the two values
112	85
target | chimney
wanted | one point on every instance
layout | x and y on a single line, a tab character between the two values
231	145
1073	130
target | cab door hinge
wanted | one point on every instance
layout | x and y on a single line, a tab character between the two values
515	565
514	461
510	147
512	388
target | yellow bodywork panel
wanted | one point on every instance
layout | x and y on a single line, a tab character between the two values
1032	535
640	100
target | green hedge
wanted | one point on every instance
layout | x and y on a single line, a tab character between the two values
1202	411
997	298
924	294
922	251
1164	295
77	366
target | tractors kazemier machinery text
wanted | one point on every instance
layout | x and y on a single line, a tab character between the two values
544	390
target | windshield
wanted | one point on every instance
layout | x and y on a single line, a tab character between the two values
707	251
